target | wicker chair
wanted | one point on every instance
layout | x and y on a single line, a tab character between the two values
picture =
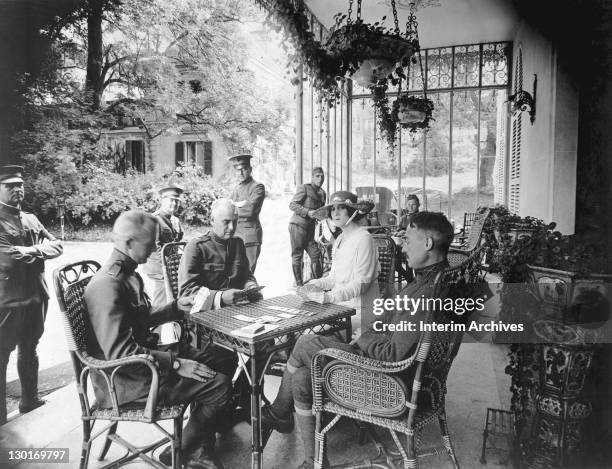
171	258
374	392
460	252
386	260
70	282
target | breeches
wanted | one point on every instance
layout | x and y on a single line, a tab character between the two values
302	239
301	360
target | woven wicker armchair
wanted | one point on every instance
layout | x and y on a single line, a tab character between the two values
70	282
386	260
375	392
467	244
171	258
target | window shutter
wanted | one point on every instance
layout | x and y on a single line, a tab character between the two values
179	154
515	144
208	158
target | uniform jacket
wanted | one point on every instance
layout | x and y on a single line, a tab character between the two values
121	319
215	263
22	276
169	230
307	197
396	346
249	227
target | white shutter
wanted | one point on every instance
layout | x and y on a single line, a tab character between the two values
515	144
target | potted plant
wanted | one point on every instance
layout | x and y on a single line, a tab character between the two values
367	52
413	112
558	288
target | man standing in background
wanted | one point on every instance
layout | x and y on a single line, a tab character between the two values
169	230
25	244
307	198
248	197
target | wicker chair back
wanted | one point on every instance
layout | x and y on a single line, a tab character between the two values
171	258
70	283
386	260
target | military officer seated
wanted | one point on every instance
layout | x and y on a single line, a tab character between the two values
121	317
217	260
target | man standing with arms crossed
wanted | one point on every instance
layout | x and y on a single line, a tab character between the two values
248	197
307	198
25	244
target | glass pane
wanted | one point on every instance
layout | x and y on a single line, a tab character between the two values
362	129
412	166
439	68
467	65
495	64
415	81
307	132
465	153
492	147
339	114
387	173
325	140
437	157
318	127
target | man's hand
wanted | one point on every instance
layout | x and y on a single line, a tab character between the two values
233	296
194	370
254	296
311	213
185	303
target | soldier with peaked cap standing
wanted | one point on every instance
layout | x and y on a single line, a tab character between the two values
307	199
169	230
25	244
248	196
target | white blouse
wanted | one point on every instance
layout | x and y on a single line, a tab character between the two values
353	279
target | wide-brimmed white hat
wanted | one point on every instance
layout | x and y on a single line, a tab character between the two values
344	198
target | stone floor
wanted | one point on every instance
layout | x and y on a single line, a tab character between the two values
476	381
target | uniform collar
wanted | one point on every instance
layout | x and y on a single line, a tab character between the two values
127	263
218	239
247	180
10	209
424	273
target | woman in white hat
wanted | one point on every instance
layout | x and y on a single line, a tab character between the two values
353	279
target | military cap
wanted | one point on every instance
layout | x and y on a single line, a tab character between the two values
10	174
172	191
238	159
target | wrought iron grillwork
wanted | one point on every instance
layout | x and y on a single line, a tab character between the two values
459	67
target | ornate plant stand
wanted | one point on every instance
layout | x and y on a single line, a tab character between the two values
560	408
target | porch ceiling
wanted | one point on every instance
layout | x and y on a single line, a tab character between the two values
452	22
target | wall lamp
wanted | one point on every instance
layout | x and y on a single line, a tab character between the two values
524	101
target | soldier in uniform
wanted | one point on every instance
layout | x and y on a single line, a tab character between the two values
169	230
121	319
306	200
218	260
24	246
249	197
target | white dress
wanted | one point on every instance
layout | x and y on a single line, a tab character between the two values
353	279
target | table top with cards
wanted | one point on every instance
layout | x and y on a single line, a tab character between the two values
273	317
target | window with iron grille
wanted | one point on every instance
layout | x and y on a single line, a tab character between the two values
460	163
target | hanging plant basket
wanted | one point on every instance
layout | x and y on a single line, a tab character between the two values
368	50
372	71
413	112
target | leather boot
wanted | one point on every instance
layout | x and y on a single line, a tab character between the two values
297	274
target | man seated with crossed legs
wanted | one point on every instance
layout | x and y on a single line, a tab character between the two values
425	245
